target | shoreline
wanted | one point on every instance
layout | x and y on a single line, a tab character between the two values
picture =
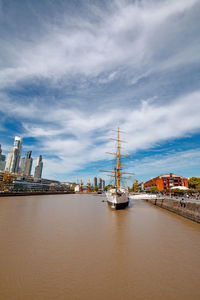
11	194
187	209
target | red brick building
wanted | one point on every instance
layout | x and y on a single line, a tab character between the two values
166	181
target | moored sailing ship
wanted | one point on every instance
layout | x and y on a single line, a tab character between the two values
117	197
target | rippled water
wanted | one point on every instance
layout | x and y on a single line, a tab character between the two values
75	247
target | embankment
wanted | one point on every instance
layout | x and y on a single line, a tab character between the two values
187	209
9	194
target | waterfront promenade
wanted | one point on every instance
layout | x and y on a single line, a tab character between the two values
188	207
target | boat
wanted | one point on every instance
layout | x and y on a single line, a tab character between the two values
118	196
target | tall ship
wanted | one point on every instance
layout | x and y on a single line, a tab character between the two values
118	197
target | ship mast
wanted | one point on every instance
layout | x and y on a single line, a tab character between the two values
118	161
117	170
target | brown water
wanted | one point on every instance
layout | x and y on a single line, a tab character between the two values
75	247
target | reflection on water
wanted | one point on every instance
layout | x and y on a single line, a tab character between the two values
76	247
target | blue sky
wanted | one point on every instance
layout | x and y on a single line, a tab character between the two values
71	71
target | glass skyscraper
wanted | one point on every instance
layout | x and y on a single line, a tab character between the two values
38	168
13	158
26	164
2	160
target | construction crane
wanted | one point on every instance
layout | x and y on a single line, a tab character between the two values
7	180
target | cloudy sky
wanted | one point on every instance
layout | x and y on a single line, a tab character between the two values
73	70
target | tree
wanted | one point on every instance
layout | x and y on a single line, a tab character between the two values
95	189
178	192
109	186
153	189
194	182
135	186
71	188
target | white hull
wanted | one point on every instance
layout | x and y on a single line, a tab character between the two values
117	199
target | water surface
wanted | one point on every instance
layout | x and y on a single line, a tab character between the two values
75	247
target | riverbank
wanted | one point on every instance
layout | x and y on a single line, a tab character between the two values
9	194
182	207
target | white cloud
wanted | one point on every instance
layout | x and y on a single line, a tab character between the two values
125	42
80	138
182	161
128	35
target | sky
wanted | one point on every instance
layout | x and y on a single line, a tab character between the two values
72	71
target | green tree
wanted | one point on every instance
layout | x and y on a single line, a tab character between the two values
153	189
109	186
95	189
194	183
135	187
71	188
178	192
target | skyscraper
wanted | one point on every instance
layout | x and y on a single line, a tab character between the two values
13	158
100	183
38	168
95	182
26	164
103	185
2	160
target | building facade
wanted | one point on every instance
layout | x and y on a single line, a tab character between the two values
95	182
100	183
26	164
2	160
13	158
103	185
166	181
38	168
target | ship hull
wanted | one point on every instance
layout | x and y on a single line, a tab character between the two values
117	200
118	205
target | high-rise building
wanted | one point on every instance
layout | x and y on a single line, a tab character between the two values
2	160
13	158
103	185
38	168
26	164
95	182
100	183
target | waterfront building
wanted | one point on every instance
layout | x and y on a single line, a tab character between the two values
70	184
89	186
26	164
166	181
13	158
2	160
42	184
103	185
141	186
100	183
95	182
77	188
38	168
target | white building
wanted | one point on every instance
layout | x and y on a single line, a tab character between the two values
13	158
26	164
38	168
2	160
77	188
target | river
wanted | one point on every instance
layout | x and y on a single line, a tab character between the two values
75	247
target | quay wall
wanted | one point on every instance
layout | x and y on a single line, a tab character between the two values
11	194
187	209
